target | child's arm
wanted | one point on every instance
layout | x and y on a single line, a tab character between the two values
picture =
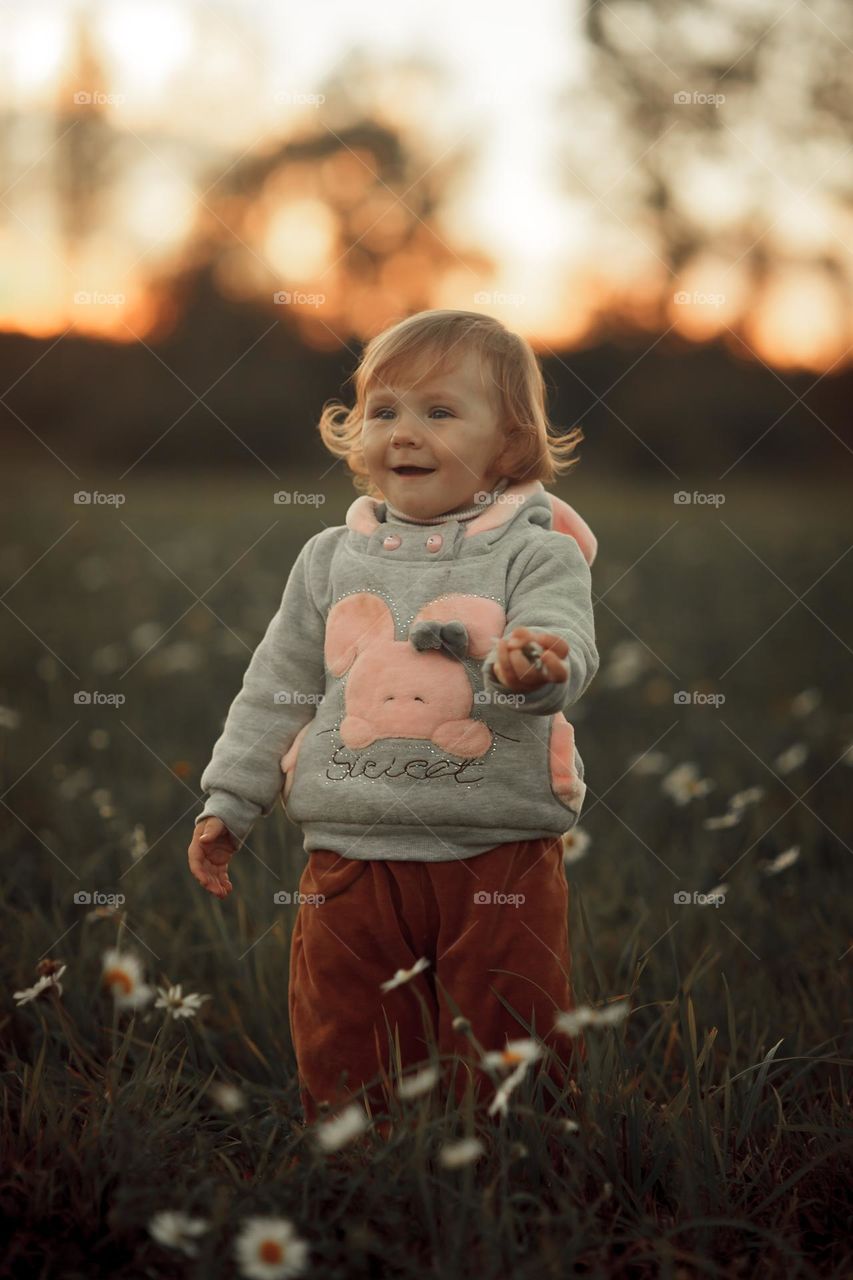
550	590
243	777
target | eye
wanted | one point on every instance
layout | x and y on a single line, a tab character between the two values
378	413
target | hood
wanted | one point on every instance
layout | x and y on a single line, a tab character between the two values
366	514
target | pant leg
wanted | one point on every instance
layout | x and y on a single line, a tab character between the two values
369	923
504	932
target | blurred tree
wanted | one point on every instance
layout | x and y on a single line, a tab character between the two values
717	135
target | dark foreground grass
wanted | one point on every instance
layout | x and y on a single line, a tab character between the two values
706	1135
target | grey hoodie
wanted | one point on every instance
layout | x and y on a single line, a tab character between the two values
370	708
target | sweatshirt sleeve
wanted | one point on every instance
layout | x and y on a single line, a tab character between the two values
551	591
278	696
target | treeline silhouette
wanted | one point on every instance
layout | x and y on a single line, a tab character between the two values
644	406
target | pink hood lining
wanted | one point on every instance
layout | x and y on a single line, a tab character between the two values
362	518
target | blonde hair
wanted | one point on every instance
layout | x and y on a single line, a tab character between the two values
425	343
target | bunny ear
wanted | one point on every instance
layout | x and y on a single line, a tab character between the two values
354	623
448	637
566	520
480	617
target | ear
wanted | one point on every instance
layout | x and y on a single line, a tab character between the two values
354	623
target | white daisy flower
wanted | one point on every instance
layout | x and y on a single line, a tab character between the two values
729	819
177	1230
628	660
570	1126
455	1154
46	981
178	1006
572	1020
405	975
792	757
575	844
123	974
515	1051
270	1249
137	842
228	1097
806	702
332	1134
648	762
742	799
683	783
102	799
9	718
782	861
421	1082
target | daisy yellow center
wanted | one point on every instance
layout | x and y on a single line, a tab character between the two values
119	978
271	1251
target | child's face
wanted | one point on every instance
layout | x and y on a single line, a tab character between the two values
449	424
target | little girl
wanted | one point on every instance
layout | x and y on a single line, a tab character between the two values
407	706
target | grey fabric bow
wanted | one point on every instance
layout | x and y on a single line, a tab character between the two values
449	637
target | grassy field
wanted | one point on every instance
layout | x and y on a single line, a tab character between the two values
707	1134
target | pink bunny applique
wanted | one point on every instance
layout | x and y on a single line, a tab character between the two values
412	688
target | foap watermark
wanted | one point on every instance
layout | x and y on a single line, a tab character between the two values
295	298
296	498
483	498
97	98
687	697
697	97
698	299
715	898
496	698
97	298
284	898
682	498
296	698
94	498
496	298
94	698
96	898
298	98
484	897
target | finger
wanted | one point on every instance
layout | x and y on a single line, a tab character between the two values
555	668
501	664
552	643
524	669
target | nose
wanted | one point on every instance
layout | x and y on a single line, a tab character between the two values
407	430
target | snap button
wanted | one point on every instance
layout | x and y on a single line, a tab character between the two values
391	541
434	542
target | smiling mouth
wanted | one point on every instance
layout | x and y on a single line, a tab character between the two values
413	471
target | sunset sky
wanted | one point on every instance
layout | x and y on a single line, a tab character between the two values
553	189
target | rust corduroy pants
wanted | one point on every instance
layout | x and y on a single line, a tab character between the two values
494	928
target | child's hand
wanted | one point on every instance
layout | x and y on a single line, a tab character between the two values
519	672
211	850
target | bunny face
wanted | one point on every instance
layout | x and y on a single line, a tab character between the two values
398	689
